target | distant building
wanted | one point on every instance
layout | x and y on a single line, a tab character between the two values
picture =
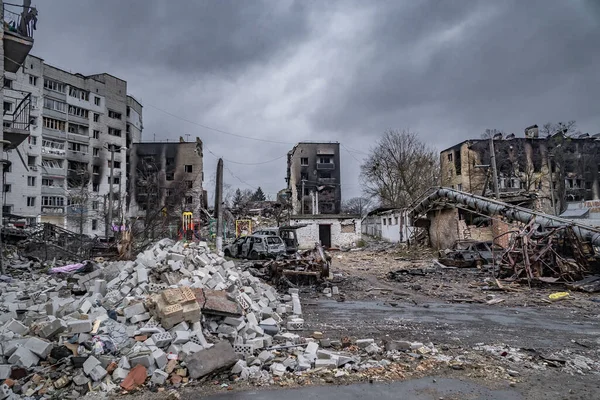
331	231
524	173
61	172
314	178
166	179
390	224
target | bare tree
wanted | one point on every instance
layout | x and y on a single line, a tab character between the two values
84	204
568	129
399	169
357	205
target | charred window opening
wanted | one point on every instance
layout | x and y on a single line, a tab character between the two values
458	163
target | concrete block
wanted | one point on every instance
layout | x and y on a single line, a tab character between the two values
80	380
140	318
119	374
311	348
400	345
6	392
278	369
304	363
363	343
190	348
142	275
53	328
100	286
134	309
15	326
182	337
39	347
144	359
91	363
159	377
204	362
79	326
328	363
296	307
160	357
24	358
85	307
5	371
97	373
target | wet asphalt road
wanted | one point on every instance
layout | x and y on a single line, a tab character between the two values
417	389
473	323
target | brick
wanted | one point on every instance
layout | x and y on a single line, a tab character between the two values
160	357
39	347
192	312
100	286
181	337
144	359
162	339
142	275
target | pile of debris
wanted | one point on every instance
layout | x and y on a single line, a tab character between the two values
176	312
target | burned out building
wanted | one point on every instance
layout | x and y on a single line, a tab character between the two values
542	173
314	178
165	180
77	127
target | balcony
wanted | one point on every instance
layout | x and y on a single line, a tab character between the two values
48	171
77	156
55	134
325	166
53	190
53	210
51	152
19	24
17	122
77	137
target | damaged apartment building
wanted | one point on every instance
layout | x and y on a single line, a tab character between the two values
547	174
76	124
313	178
166	179
314	189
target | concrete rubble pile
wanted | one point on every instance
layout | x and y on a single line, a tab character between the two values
178	312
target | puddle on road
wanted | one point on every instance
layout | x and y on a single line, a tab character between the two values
417	389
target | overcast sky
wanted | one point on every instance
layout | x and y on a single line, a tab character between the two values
287	71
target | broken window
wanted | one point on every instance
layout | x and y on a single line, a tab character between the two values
458	163
450	157
79	112
94	224
96	187
189	200
170	176
96	170
78	147
385	221
7	188
79	93
170	161
114	115
31	181
96	117
55	124
95	205
32	140
7	106
97	100
31	161
30	201
114	132
96	152
304	161
304	176
189	184
325	160
96	134
33	80
188	169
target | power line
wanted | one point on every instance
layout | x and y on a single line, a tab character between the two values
217	130
243	163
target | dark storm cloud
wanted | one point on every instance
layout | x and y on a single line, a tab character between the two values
337	70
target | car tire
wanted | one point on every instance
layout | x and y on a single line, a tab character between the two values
253	255
227	253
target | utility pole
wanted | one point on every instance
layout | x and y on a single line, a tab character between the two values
494	170
302	196
317	200
219	205
551	184
110	191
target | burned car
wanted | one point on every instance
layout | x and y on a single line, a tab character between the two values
287	233
471	253
256	247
